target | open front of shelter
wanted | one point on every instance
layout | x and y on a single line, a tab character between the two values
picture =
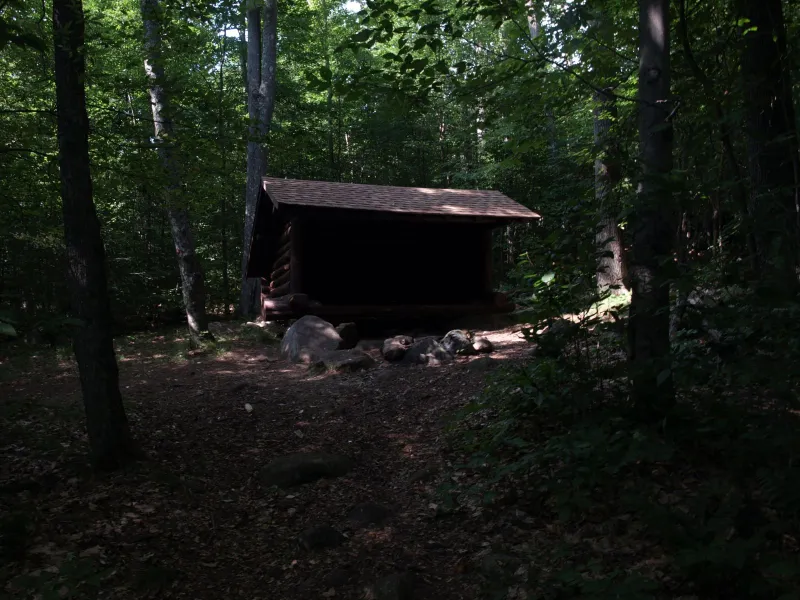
358	251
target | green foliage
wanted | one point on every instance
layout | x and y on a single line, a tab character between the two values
710	495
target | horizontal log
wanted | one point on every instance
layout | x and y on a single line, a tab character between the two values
281	290
281	279
279	271
282	260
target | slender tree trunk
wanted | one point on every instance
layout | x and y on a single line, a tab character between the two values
653	230
772	143
261	66
192	279
611	262
223	151
110	441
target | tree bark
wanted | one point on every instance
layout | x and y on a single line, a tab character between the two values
191	272
611	262
110	441
261	67
653	230
772	143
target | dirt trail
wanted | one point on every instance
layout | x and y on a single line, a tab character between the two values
194	519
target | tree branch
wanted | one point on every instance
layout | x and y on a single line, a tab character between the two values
4	150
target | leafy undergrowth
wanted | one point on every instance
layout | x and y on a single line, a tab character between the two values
702	505
194	519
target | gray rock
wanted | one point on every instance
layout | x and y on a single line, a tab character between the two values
308	338
349	334
297	469
320	538
397	586
458	342
395	348
427	351
344	361
481	365
482	346
368	513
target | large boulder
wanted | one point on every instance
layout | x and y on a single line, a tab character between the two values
395	348
344	361
297	469
458	342
349	334
427	351
308	338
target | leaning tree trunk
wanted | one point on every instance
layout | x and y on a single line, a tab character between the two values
611	262
192	279
653	229
110	441
772	143
261	66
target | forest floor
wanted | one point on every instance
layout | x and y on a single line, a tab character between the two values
193	520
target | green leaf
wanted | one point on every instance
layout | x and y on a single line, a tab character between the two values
362	36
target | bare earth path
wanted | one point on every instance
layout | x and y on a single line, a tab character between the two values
194	520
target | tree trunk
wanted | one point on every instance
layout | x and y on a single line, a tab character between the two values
611	262
772	143
653	230
110	441
261	65
192	279
223	150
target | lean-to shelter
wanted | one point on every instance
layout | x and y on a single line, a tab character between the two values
345	250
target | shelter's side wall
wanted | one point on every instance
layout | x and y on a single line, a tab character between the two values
393	262
279	281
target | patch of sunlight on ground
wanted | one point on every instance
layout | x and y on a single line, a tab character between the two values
609	304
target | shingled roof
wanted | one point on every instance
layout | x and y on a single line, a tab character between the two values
393	199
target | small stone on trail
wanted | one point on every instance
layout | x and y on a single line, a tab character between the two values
319	538
349	334
458	342
482	345
395	348
368	513
248	407
297	469
427	351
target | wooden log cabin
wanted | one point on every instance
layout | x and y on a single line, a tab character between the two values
349	251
